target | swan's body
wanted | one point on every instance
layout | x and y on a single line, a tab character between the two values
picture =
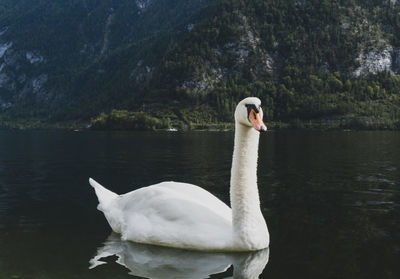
186	216
171	214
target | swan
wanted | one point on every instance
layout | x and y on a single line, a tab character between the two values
185	216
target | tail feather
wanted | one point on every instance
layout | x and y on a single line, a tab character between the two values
111	211
104	195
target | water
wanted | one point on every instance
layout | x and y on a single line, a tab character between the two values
331	201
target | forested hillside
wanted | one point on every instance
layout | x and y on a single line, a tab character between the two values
69	59
191	61
304	59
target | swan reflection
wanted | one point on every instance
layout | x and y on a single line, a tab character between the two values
160	262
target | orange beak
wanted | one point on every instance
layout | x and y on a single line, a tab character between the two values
256	121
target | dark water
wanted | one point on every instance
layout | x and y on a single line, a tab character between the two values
331	201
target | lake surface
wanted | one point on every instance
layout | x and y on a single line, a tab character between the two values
331	201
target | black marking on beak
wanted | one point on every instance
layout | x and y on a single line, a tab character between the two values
251	107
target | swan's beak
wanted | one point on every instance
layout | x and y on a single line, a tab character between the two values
256	121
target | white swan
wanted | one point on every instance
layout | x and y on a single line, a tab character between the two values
186	216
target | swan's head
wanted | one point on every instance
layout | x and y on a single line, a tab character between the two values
249	113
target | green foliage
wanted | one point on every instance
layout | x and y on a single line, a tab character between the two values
125	120
314	44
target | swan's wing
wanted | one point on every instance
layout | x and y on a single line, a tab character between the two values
201	196
177	215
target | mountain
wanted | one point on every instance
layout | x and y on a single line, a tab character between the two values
53	53
194	59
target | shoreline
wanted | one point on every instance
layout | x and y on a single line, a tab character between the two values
327	124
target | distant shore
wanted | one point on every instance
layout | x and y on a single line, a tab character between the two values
344	123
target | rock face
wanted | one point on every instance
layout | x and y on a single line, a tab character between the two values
34	58
239	51
143	4
387	59
4	47
375	61
20	75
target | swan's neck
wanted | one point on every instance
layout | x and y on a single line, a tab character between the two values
248	222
